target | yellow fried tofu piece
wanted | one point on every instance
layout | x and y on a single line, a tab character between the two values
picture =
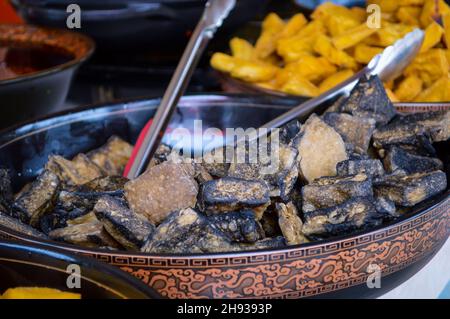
403	3
433	35
446	22
447	55
292	49
431	11
385	5
352	36
293	26
266	43
327	9
409	88
409	15
325	47
390	33
429	66
241	49
359	13
297	85
222	62
38	293
438	92
364	53
253	71
337	25
334	80
391	95
312	68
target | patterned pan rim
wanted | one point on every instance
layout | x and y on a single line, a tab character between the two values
401	107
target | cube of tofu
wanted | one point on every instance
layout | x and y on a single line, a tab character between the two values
113	156
353	36
331	191
324	46
290	224
398	160
439	91
355	130
368	99
409	88
129	229
411	189
430	66
231	194
409	15
355	214
369	167
187	231
433	35
38	200
161	190
334	80
78	171
320	148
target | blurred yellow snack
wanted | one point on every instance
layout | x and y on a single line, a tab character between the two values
409	15
433	35
429	66
222	62
302	57
251	71
325	47
385	5
334	80
364	53
437	92
431	10
294	25
352	36
299	86
267	42
391	95
241	49
38	293
409	88
446	22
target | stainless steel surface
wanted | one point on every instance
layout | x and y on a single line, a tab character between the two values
213	16
388	64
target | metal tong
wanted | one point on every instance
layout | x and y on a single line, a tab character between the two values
213	16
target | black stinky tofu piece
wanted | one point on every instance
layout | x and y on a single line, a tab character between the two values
90	235
399	161
193	167
354	214
290	224
187	231
231	194
107	184
355	130
370	167
113	156
78	171
280	172
289	131
368	99
411	189
16	225
331	191
6	193
435	124
386	208
239	226
129	229
38	200
267	243
320	148
216	161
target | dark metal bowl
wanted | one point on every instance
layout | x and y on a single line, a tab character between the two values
27	96
333	268
37	266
